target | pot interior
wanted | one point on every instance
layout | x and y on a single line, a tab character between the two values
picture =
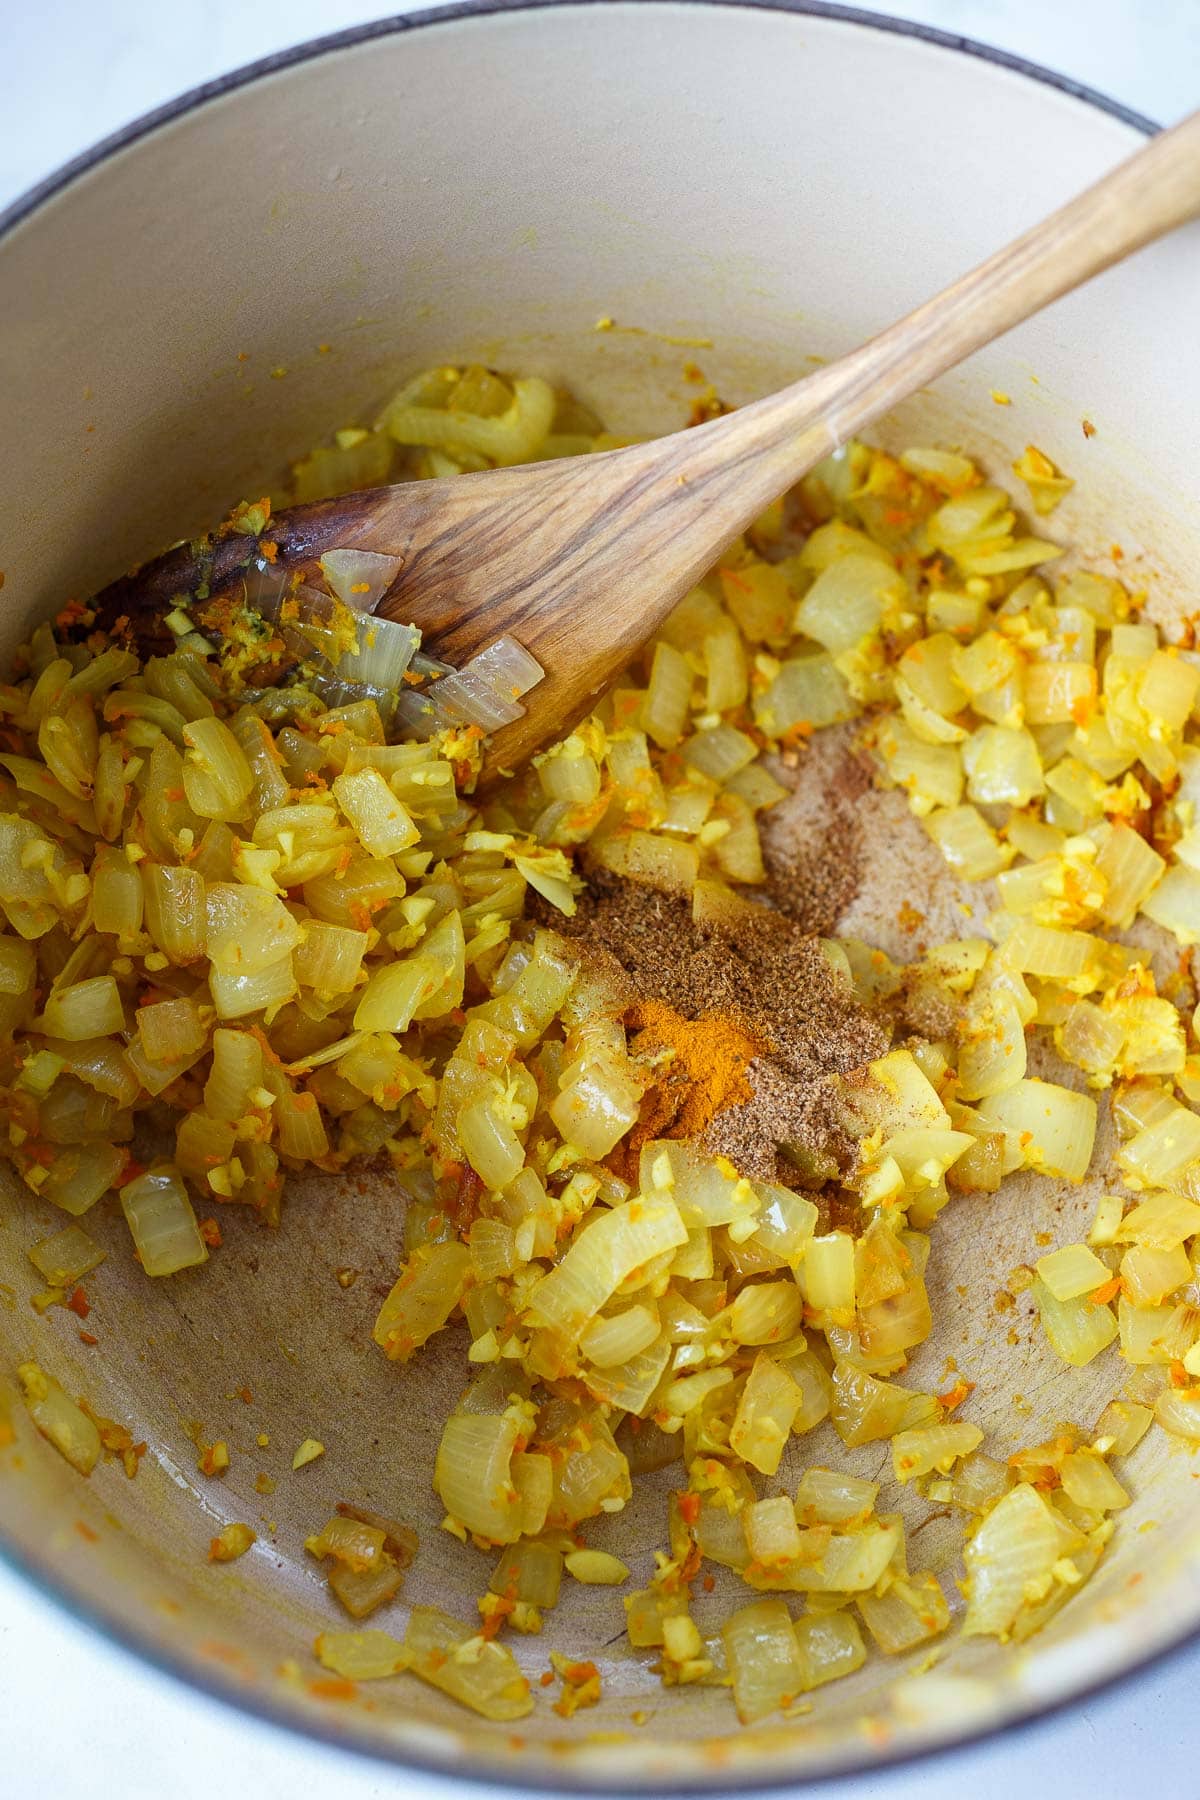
737	187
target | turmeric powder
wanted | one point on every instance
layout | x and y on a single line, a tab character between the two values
754	972
703	1072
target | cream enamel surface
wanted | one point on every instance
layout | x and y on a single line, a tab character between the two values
361	257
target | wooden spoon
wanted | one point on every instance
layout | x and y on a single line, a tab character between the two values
581	560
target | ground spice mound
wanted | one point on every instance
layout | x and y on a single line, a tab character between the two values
701	1068
812	843
758	969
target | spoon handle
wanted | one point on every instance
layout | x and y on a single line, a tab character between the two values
1150	194
580	560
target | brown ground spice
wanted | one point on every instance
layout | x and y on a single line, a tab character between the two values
812	844
761	970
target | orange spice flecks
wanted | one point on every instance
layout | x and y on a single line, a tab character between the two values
954	1397
116	1440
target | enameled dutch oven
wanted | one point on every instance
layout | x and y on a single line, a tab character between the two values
197	301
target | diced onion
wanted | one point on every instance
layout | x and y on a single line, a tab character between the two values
1179	1413
1077	1330
601	1258
422	1300
66	1256
360	578
79	1175
486	691
514	436
830	1646
473	1475
84	1009
1053	1127
382	656
74	1435
480	1672
829	1497
930	1447
764	1659
1089	1482
361	1655
532	1573
912	1610
766	1410
1012	1553
808	692
381	823
865	1409
610	1341
161	1222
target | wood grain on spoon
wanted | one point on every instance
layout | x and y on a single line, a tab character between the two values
582	559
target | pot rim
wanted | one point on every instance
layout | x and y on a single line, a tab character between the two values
125	1634
352	35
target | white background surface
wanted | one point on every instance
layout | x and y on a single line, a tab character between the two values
82	1719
